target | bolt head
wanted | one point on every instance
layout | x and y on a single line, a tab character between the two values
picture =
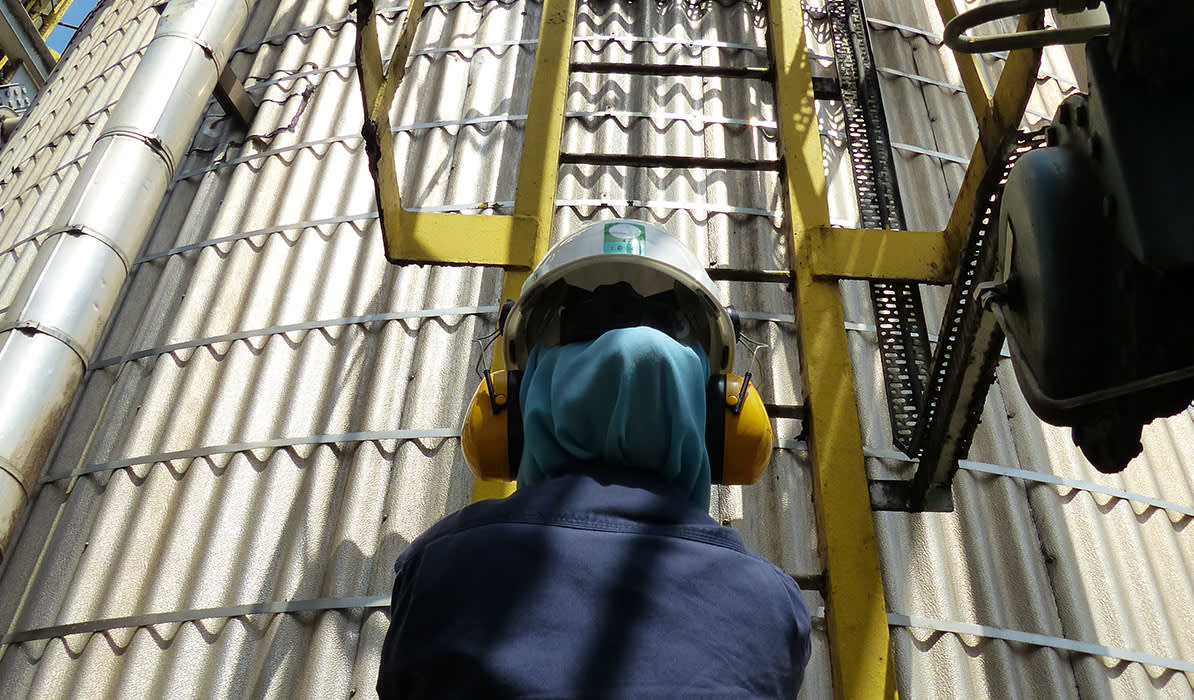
1082	116
1065	114
1109	207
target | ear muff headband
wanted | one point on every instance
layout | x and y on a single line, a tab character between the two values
513	424
715	422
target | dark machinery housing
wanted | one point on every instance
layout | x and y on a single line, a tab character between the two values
1095	250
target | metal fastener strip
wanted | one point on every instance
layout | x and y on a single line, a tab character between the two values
294	328
766	316
151	141
676	117
948	157
296	226
952	87
470	121
78	230
664	204
177	616
55	333
431	51
668	41
340	23
870	328
1039	640
208	50
207	451
347	139
1042	478
938	40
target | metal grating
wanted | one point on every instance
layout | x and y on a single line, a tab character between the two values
899	315
968	349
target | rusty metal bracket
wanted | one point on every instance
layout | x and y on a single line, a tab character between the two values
230	93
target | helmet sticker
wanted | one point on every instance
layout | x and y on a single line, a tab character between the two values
624	238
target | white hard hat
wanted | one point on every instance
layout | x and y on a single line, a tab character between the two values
627	260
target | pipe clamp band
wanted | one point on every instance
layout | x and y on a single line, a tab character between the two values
11	469
152	141
79	230
207	49
55	333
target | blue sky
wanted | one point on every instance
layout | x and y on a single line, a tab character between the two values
74	16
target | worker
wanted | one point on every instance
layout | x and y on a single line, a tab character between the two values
603	574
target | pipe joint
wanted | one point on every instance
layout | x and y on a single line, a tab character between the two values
150	140
76	285
43	373
213	25
57	316
83	230
208	50
31	326
14	496
119	191
11	470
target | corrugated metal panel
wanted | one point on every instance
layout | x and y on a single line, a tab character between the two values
278	228
175	512
308	522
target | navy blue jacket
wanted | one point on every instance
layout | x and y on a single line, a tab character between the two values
591	585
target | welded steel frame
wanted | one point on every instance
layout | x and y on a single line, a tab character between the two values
512	242
856	614
932	256
515	242
46	14
855	605
820	255
24	42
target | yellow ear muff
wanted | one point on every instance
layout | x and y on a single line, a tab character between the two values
739	435
748	440
485	435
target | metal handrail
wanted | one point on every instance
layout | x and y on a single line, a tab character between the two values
957	27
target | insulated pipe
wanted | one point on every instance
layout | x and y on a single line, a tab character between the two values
54	323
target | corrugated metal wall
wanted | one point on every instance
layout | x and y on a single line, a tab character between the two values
232	464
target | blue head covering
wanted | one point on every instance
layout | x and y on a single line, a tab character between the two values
632	397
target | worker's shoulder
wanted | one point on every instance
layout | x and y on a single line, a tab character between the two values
625	501
588	504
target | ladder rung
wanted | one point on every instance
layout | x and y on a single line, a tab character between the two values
827	88
824	88
731	274
668	161
786	411
747	73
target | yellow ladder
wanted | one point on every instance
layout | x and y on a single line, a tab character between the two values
856	612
